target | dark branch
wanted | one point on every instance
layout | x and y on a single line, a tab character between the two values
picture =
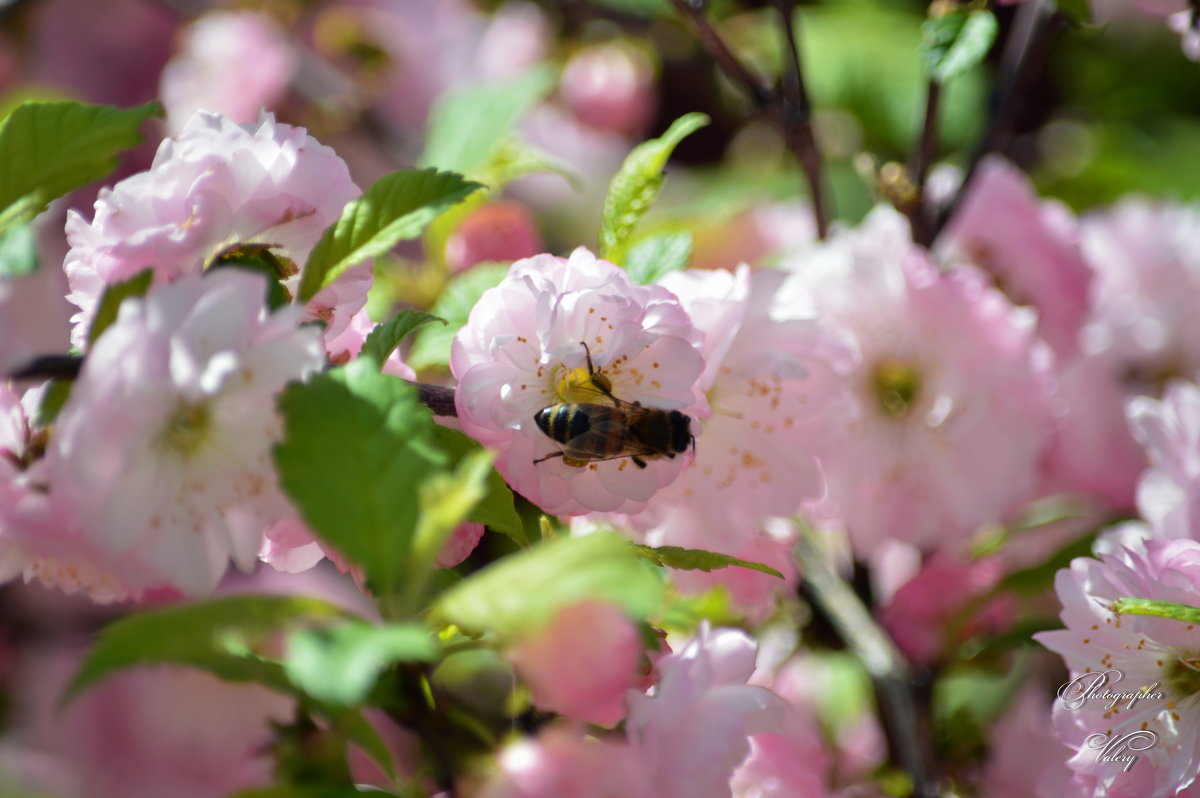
437	398
1025	51
49	367
906	727
789	110
926	155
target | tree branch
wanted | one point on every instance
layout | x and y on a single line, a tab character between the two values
906	727
925	156
1024	53
789	110
438	398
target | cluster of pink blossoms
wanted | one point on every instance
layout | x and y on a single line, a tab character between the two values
158	472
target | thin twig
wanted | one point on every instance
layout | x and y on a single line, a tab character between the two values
797	127
1024	53
49	367
926	154
790	111
906	727
438	398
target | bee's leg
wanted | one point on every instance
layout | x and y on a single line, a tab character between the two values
602	383
550	456
637	461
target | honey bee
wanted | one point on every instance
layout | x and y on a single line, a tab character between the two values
612	428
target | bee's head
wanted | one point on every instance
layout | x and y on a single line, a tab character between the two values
681	432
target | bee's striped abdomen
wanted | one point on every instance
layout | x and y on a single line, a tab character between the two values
562	422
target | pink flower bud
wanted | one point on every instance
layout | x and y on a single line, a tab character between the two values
581	664
499	231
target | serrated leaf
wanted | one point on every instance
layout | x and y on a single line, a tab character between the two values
356	446
657	255
957	41
396	207
1157	609
636	185
497	509
51	148
111	299
524	590
387	336
698	560
18	251
340	664
220	636
467	125
432	344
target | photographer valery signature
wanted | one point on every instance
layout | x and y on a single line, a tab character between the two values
1115	749
1096	686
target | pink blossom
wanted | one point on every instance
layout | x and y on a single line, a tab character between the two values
1142	331
40	536
1169	491
145	733
1092	451
1146	286
949	406
582	662
693	730
1025	759
610	86
1185	24
558	764
212	189
522	349
459	545
164	445
499	231
1131	652
921	615
234	63
1031	246
517	37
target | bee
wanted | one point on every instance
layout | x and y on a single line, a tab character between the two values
613	428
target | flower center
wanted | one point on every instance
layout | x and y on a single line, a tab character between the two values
1182	675
188	429
577	386
897	385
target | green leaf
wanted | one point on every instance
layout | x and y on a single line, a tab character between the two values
110	302
1077	11
432	344
497	509
56	395
698	560
396	207
445	500
356	447
657	255
220	636
1039	578
259	259
636	185
524	590
339	665
387	336
1157	609
51	148
18	251
953	43
468	125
